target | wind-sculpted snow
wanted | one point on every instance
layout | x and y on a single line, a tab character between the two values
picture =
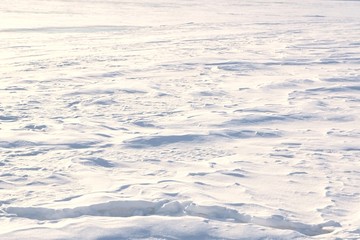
179	119
155	141
166	208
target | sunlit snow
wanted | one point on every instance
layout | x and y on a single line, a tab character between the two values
184	119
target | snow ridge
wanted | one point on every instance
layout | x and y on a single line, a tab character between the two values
168	208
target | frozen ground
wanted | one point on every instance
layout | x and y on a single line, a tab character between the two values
179	119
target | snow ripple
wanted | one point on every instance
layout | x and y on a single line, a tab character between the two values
159	140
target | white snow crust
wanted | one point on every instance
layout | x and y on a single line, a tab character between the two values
164	119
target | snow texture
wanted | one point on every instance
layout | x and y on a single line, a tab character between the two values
179	119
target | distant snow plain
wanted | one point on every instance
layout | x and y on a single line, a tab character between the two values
184	119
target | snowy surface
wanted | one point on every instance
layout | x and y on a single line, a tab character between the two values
161	119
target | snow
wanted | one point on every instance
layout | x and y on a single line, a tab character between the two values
179	119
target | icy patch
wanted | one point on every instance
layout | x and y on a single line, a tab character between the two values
8	118
156	141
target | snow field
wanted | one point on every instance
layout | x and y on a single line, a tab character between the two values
186	120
